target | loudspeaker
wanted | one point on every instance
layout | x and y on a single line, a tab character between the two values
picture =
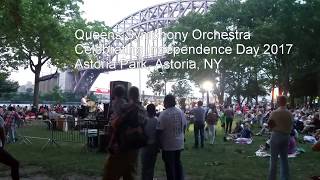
124	84
106	111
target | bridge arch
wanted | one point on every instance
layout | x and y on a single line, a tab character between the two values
145	20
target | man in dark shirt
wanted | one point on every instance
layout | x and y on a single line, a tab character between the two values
199	122
229	118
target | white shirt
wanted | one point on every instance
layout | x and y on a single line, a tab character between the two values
172	122
83	101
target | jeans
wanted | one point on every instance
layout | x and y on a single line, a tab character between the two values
198	128
122	164
11	134
228	125
212	133
279	146
8	160
148	161
174	169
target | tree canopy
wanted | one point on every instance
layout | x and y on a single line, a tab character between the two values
36	32
269	22
7	86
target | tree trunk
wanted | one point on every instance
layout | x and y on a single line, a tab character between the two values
244	98
239	99
248	99
272	92
292	101
311	102
222	87
36	86
286	80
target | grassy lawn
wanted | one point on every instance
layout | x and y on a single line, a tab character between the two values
223	160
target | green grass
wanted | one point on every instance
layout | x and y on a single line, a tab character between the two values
230	161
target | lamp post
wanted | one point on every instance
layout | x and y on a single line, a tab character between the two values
207	85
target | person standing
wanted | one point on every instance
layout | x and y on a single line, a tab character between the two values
199	123
149	152
10	119
5	157
118	100
171	127
212	118
228	111
126	140
280	123
84	107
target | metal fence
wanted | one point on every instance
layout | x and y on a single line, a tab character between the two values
89	132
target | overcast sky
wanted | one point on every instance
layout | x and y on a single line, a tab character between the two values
110	12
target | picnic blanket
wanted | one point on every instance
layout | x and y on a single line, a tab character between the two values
310	139
263	153
243	140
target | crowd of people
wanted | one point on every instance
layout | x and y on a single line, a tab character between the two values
166	134
137	130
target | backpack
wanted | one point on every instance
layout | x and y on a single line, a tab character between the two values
129	130
212	118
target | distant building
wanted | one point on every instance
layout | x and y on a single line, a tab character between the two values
24	88
63	80
48	85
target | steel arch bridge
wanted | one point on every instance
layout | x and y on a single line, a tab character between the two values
146	20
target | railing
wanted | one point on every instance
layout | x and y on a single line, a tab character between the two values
91	133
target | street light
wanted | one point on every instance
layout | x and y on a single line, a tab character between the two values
207	85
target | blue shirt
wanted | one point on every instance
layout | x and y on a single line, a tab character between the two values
199	114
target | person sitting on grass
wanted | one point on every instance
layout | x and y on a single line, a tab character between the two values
316	146
246	132
313	125
292	146
264	130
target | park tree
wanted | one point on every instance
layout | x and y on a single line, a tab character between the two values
269	22
224	17
181	89
290	21
6	85
57	94
158	79
38	32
